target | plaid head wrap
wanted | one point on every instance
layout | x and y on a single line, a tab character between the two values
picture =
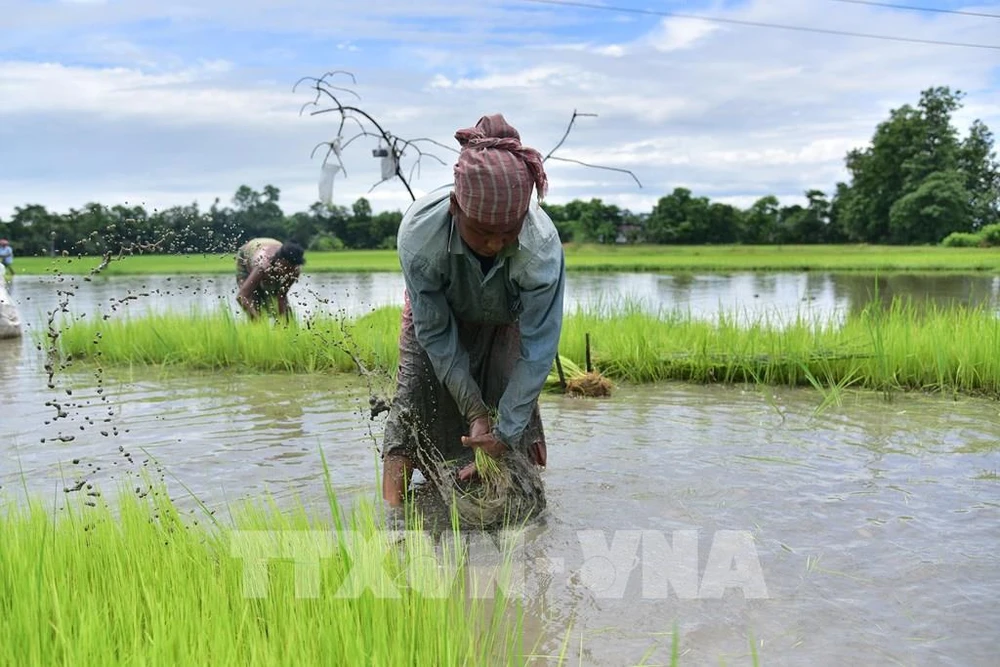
494	174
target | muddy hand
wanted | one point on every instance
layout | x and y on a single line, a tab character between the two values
487	443
480	426
468	472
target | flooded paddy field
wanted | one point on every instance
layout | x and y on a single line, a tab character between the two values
862	533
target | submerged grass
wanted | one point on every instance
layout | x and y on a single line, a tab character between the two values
584	257
899	347
143	584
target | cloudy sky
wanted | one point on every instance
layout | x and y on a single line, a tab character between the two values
165	103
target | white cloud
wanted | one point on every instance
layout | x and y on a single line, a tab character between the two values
533	77
677	34
187	96
728	111
613	50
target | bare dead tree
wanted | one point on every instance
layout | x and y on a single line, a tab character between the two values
326	100
569	128
397	146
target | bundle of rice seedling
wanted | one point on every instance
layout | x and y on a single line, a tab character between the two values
489	469
589	384
571	379
505	491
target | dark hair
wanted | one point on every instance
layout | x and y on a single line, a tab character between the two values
292	253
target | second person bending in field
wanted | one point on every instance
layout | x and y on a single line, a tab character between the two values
266	269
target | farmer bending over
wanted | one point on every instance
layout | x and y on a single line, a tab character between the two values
484	274
7	258
265	270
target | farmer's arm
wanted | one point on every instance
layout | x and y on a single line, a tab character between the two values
283	301
542	283
244	297
437	333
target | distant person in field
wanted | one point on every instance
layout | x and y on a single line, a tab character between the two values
7	258
265	270
484	273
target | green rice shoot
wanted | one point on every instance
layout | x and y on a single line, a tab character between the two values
894	347
144	583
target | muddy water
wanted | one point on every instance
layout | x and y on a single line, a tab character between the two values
875	524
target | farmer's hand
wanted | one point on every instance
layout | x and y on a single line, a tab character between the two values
467	472
480	426
481	435
487	442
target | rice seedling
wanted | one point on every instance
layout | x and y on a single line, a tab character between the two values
570	378
143	583
898	347
488	468
504	491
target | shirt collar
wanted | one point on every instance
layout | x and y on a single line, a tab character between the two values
455	244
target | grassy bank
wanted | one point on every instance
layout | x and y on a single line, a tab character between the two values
143	585
901	347
586	258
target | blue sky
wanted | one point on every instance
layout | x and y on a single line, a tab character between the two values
168	103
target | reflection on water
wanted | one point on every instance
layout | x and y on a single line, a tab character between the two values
825	295
874	523
941	290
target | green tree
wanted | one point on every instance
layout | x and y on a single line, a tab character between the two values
723	223
668	222
558	214
258	213
806	224
938	207
385	227
917	150
357	232
598	222
978	164
760	223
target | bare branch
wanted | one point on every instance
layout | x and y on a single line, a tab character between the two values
597	166
343	119
436	143
340	71
398	146
322	81
345	90
363	133
322	87
308	104
312	154
569	128
329	145
372	188
421	153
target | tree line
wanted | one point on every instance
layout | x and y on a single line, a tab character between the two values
916	182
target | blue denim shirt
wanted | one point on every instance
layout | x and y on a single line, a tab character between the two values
445	283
